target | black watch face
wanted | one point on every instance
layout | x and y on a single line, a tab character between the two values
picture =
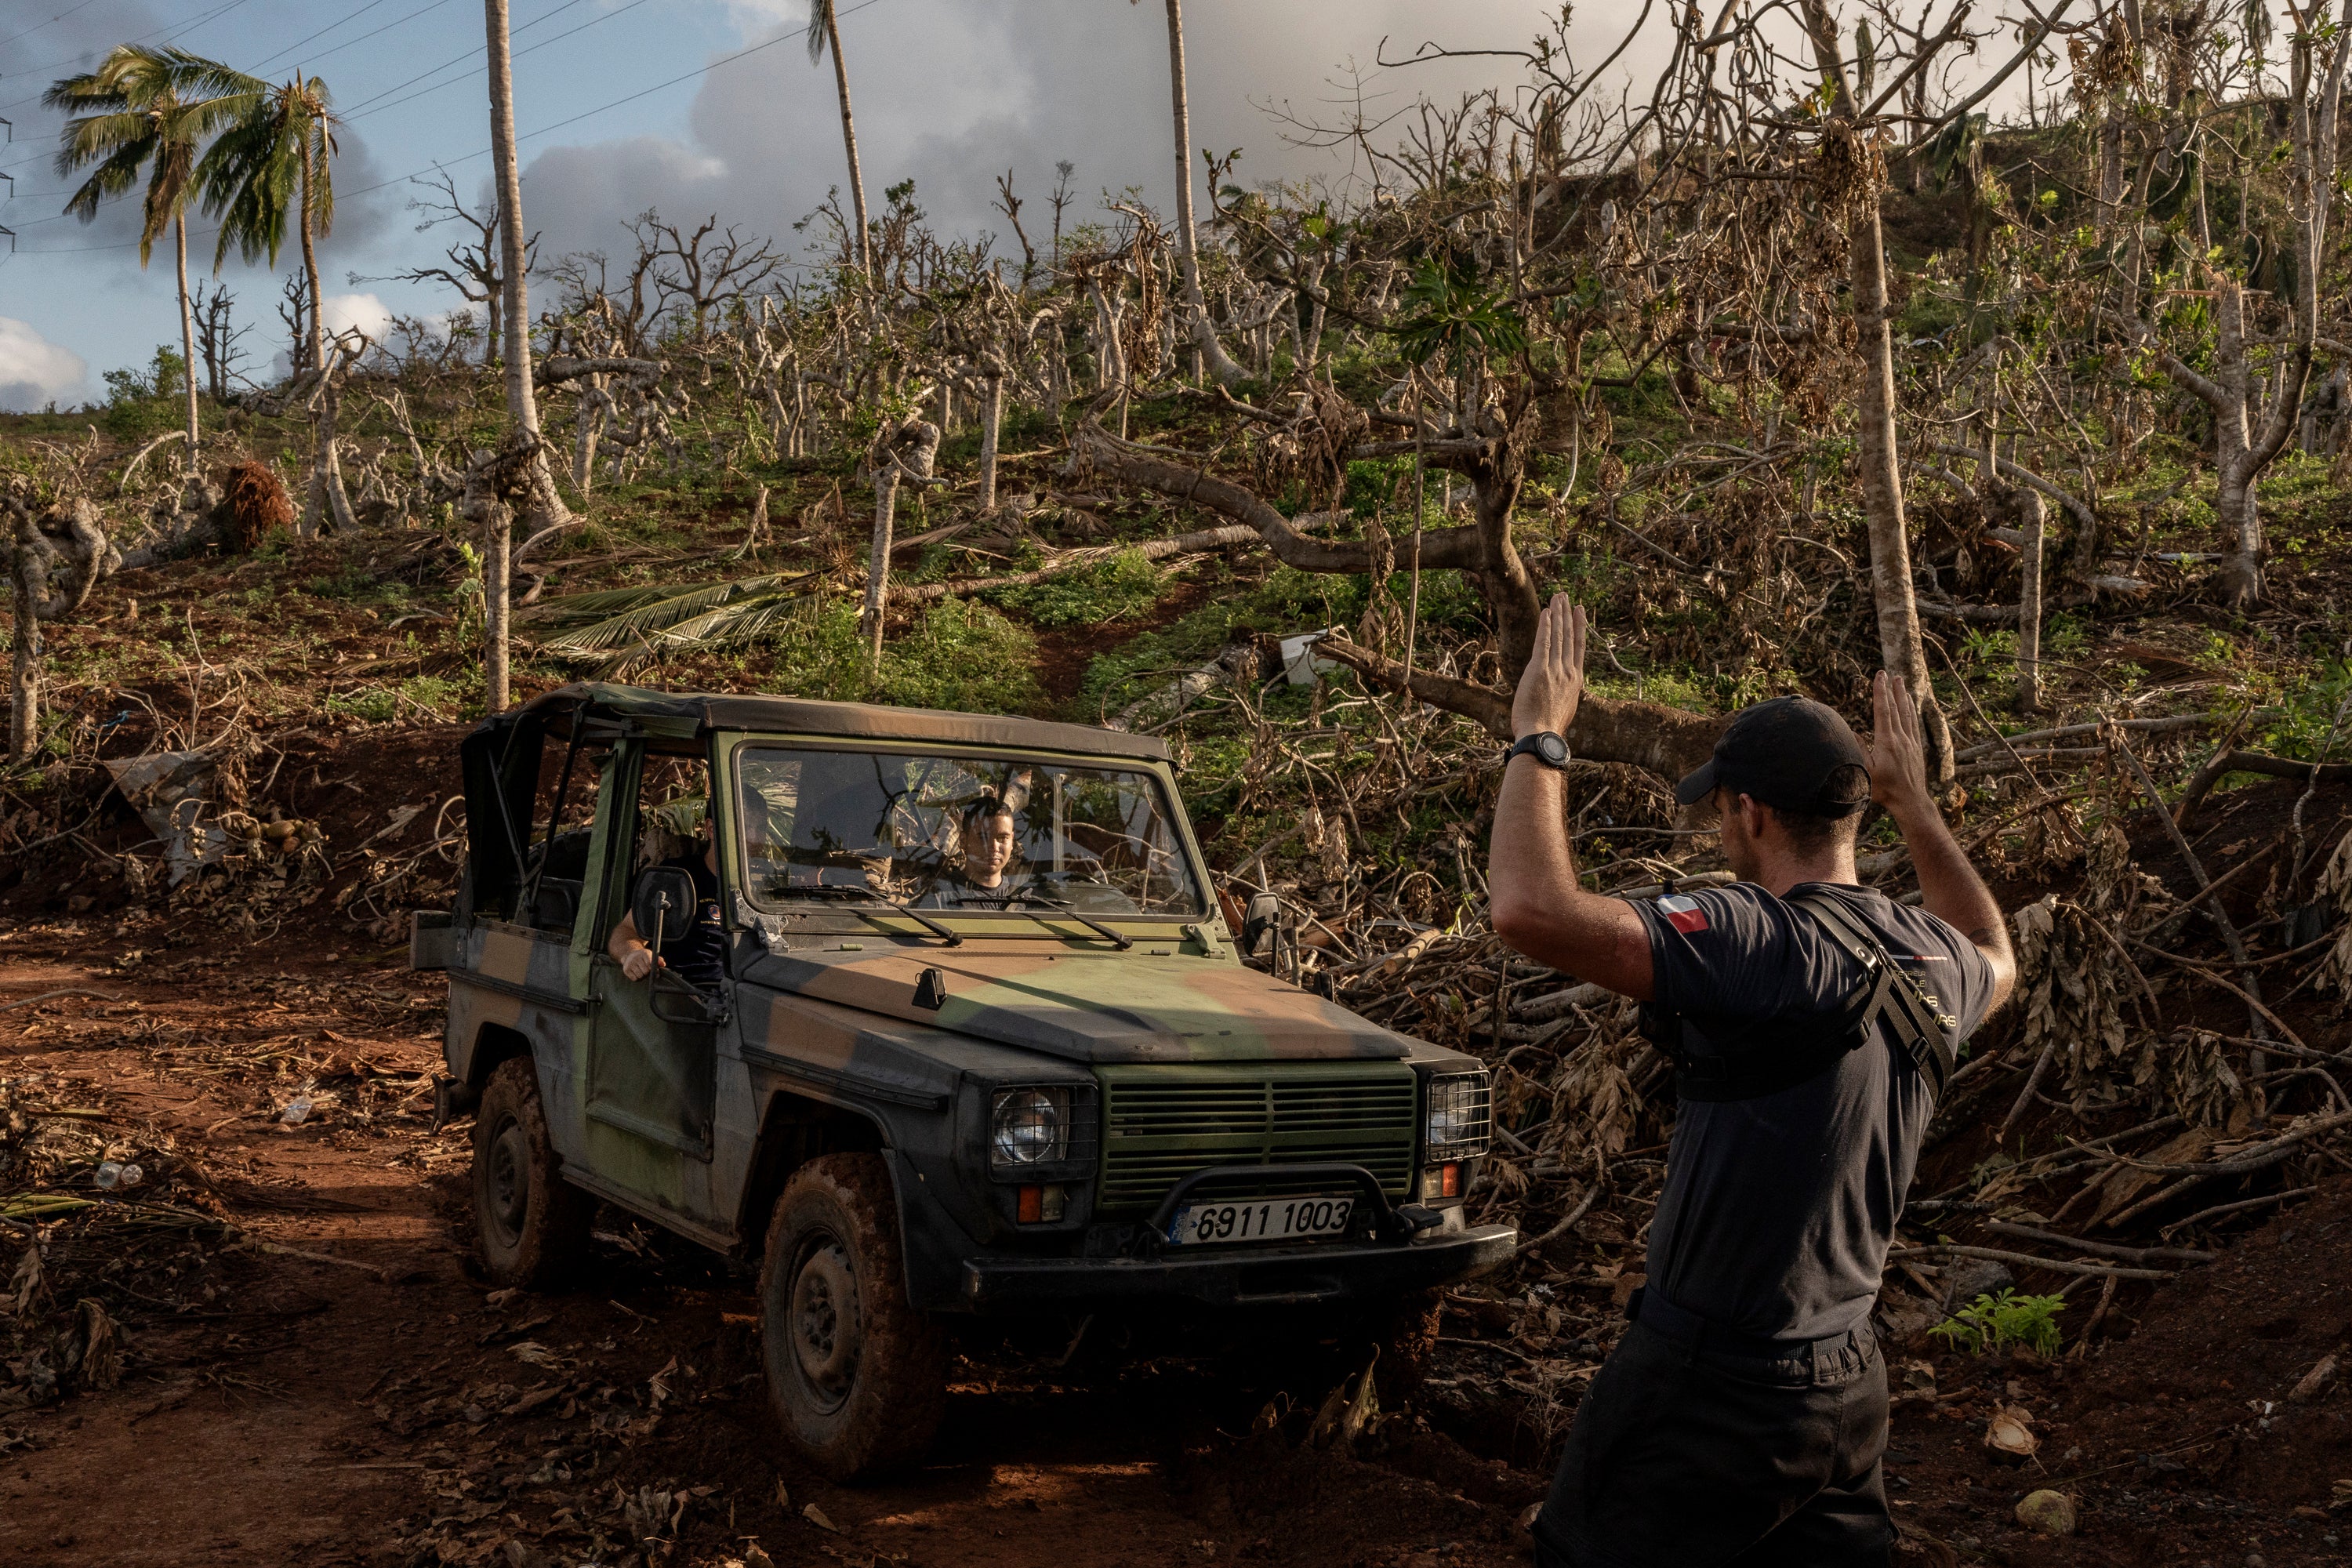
1552	749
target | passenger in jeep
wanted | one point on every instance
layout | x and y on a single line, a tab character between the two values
696	954
987	879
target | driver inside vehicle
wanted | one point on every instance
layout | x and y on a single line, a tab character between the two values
988	876
696	953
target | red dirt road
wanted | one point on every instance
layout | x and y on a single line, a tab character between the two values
384	1409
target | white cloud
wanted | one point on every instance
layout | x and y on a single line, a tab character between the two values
365	311
35	372
954	92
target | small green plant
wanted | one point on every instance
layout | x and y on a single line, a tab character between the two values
1119	588
1996	1322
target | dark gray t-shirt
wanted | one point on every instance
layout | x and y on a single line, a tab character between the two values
1778	1211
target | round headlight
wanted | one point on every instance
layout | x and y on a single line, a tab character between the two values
1027	1126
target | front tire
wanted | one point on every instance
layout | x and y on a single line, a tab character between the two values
857	1376
532	1226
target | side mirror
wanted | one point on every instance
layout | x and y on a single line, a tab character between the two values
664	905
1263	920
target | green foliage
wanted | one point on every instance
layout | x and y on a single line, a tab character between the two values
1117	589
418	697
2317	708
963	655
1455	318
1996	1322
349	582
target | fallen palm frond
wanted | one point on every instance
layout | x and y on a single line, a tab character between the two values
633	624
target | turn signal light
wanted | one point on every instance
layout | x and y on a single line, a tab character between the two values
1040	1205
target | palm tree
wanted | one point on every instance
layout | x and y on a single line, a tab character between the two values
276	160
824	32
148	109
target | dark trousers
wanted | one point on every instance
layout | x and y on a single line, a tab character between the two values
1682	1456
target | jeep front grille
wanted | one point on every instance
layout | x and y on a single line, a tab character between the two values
1163	1123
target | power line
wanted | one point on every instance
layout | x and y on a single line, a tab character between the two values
353	111
153	33
363	38
484	151
323	54
372	4
518	54
38	25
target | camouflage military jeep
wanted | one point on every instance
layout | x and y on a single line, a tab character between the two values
916	1093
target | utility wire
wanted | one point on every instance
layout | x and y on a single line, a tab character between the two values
474	76
363	38
484	152
323	54
256	68
353	111
631	5
153	33
38	25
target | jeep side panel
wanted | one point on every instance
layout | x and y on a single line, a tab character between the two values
927	1092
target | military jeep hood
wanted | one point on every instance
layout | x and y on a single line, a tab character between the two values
1091	1007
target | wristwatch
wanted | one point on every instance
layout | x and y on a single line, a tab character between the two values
1544	746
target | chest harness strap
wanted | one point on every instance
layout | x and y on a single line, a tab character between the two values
1749	1060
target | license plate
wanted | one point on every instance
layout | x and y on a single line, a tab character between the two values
1262	1219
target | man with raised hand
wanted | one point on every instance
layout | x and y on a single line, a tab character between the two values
1811	1022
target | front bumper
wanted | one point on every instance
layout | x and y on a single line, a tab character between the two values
1242	1276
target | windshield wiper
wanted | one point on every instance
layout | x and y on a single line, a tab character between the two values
866	896
1091	923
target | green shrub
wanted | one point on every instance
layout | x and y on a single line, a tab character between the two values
962	654
1117	589
417	698
1996	1322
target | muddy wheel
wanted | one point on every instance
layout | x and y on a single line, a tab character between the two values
858	1377
533	1225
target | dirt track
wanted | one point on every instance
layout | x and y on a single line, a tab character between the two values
384	1409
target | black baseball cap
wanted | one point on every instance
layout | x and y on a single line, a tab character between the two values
1784	752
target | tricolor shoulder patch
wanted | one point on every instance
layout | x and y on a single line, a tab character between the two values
1683	914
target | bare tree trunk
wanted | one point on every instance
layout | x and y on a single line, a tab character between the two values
1188	259
546	511
2034	514
593	397
187	340
1900	648
878	570
1110	359
331	501
849	139
991	419
24	686
498	571
318	333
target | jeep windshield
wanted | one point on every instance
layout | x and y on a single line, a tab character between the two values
1010	837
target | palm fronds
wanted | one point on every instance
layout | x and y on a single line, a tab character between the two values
277	154
635	625
144	108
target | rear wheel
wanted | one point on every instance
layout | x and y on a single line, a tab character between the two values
533	1225
858	1377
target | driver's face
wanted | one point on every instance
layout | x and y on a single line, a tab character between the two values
989	849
